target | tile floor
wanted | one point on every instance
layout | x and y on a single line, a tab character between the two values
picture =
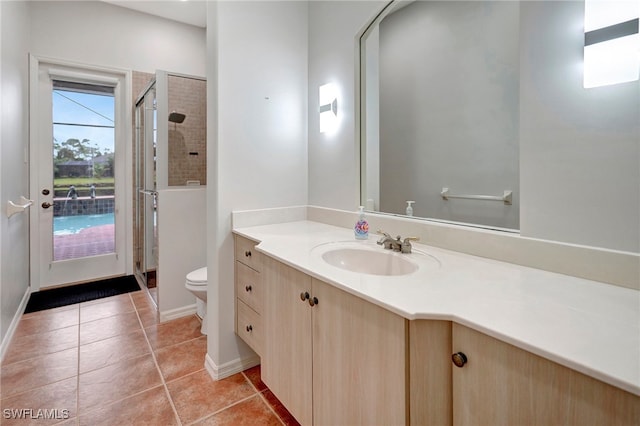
109	362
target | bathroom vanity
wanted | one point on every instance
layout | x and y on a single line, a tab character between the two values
249	293
462	341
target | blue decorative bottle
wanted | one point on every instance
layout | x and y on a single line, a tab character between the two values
361	230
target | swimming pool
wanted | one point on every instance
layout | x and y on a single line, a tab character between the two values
68	225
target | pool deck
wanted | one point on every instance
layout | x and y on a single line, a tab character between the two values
88	242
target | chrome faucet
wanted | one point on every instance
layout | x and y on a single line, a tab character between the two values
397	244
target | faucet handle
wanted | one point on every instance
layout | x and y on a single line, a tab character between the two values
406	245
407	239
381	232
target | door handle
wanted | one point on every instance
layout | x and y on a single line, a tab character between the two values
46	205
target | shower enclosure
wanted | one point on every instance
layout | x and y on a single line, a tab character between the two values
146	196
170	155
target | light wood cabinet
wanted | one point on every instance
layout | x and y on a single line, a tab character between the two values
430	373
333	358
504	385
249	293
336	360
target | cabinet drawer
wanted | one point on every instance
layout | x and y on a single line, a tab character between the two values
249	326
249	287
246	253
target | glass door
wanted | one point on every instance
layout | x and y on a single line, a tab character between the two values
76	144
146	254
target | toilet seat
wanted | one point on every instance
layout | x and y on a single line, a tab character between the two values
197	277
196	283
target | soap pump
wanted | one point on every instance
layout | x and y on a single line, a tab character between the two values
361	230
409	208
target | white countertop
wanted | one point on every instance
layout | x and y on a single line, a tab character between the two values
591	327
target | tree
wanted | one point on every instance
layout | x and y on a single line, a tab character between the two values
74	149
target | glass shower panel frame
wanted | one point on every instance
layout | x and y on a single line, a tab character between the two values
146	196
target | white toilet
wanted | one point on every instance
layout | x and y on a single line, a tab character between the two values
196	283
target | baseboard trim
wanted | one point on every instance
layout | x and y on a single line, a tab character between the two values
219	372
177	313
14	324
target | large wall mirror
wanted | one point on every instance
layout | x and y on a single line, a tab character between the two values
473	98
440	110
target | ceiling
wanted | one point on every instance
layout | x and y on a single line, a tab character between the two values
193	12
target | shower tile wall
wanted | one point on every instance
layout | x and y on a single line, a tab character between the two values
187	141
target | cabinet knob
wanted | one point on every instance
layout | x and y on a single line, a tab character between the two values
459	359
247	253
249	328
248	288
313	301
304	296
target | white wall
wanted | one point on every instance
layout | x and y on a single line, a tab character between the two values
14	231
182	246
98	33
257	137
579	179
334	159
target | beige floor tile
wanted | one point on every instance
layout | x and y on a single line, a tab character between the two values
148	317
284	415
103	308
151	408
36	372
35	345
111	326
58	399
254	375
113	350
43	321
52	310
184	358
71	422
173	332
197	395
142	300
98	388
253	411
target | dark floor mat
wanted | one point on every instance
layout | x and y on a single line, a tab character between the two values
63	296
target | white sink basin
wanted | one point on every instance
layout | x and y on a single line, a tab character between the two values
369	261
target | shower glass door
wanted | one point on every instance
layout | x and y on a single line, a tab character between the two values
146	221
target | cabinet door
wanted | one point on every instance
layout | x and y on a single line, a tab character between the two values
504	385
430	372
359	361
286	364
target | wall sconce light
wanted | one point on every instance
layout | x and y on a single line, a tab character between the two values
611	42
328	108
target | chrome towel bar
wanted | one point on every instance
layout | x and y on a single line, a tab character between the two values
506	197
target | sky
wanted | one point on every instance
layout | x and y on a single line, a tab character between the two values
88	109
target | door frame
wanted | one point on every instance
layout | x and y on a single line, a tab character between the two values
124	154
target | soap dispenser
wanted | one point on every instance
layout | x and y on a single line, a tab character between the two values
361	230
409	208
